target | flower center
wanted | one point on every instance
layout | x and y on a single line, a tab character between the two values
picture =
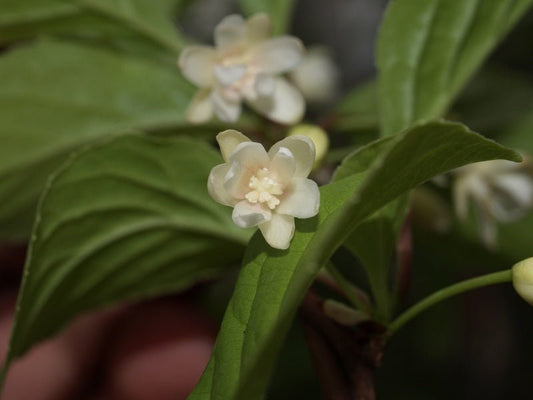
264	189
237	75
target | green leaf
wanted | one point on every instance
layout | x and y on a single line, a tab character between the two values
109	20
279	10
427	50
23	11
73	95
126	219
147	18
361	159
373	241
272	283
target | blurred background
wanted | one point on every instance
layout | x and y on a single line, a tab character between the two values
476	346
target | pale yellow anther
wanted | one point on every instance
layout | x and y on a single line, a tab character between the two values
264	189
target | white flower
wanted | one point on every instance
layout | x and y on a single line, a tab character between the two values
317	76
244	65
500	190
266	189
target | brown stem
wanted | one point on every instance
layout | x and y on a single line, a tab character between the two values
330	375
345	357
404	252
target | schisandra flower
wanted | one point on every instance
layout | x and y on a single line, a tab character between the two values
266	189
500	190
245	64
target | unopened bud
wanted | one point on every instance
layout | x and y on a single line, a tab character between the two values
317	135
523	279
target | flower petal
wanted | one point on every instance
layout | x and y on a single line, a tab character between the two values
466	187
286	104
517	186
246	215
265	84
196	64
278	55
279	231
487	228
244	161
226	110
259	27
302	200
512	196
201	109
317	76
215	185
250	154
227	75
283	165
228	141
230	32
303	150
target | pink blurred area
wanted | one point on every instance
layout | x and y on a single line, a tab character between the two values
159	353
151	351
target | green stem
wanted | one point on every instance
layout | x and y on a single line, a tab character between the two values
443	294
348	289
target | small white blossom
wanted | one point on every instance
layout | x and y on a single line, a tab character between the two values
266	189
500	191
245	64
317	76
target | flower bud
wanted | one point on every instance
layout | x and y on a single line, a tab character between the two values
523	279
317	135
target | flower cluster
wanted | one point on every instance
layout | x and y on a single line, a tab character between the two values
266	189
245	64
500	191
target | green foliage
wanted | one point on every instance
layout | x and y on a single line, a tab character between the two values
141	225
427	50
272	283
113	19
60	96
279	11
128	217
361	159
374	240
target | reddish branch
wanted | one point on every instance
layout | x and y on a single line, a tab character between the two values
345	357
404	254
